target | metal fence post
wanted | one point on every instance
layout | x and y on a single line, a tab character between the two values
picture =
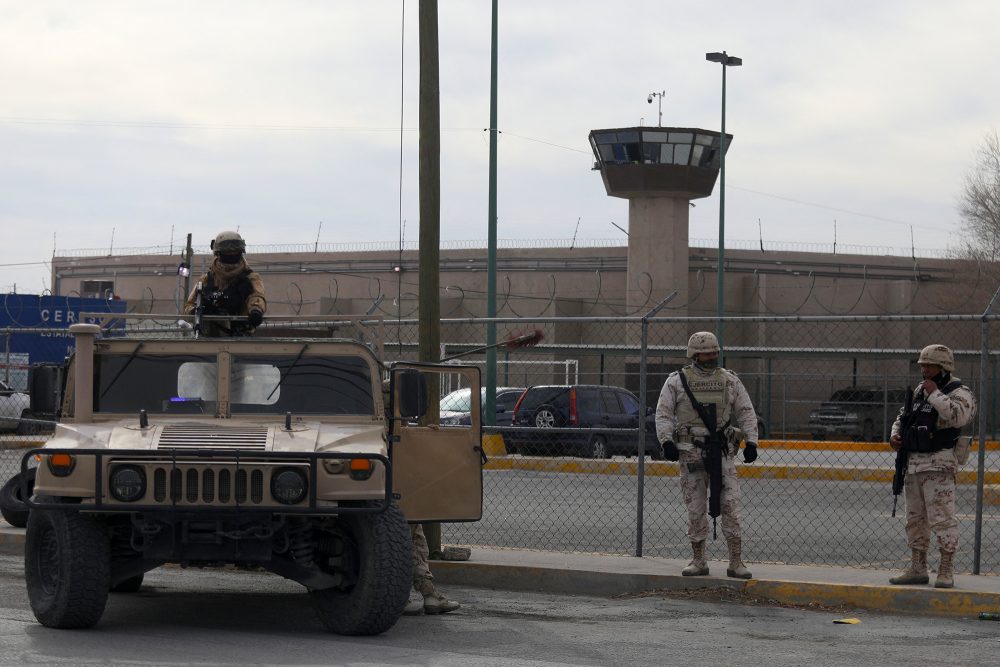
981	475
643	357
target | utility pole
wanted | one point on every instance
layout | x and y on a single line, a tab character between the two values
429	315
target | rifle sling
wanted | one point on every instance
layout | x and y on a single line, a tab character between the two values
698	407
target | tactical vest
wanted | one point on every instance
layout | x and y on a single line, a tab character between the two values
707	389
921	433
228	301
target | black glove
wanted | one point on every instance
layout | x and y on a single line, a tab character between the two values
750	452
670	452
255	317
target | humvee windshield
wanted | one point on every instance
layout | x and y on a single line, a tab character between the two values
260	384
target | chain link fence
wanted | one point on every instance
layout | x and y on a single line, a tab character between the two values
565	472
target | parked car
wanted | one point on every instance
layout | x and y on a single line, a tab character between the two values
857	413
610	415
456	407
13	404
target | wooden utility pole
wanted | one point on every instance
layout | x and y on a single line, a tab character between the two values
429	314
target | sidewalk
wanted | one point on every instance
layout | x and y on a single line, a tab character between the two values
602	575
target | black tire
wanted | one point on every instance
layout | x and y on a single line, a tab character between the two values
598	448
67	568
12	504
380	547
130	585
547	416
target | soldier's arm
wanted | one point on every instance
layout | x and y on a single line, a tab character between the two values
665	418
743	412
256	298
955	409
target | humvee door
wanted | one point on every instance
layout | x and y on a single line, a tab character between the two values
437	470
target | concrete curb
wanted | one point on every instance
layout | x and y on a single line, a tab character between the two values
894	599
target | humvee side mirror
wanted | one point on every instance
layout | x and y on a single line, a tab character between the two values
412	391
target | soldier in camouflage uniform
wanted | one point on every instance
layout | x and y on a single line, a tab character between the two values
230	287
942	405
682	433
433	601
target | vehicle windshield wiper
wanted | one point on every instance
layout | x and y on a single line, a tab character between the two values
127	363
288	371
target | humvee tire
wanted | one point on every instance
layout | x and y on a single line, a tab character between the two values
130	585
67	568
382	555
12	504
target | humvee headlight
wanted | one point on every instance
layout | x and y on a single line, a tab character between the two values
127	483
361	469
61	465
289	486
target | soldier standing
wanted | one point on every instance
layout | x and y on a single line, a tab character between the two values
684	435
927	435
230	287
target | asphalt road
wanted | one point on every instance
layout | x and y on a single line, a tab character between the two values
222	617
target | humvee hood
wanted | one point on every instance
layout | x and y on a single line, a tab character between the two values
223	434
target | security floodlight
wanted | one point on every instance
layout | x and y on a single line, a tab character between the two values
183	270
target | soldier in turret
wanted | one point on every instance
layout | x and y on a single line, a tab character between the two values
230	288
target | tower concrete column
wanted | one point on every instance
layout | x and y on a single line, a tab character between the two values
657	252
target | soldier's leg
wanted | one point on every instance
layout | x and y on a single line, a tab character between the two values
940	495
694	487
731	529
917	532
423	581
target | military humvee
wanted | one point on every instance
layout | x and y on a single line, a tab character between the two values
279	454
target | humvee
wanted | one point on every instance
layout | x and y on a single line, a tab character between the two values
281	454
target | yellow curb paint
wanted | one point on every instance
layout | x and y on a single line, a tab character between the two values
991	494
493	444
755	471
845	446
935	602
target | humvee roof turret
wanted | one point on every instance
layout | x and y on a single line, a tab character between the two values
283	454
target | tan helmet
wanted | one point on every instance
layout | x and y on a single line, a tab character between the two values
703	341
938	355
228	243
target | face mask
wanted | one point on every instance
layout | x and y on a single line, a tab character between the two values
707	365
230	259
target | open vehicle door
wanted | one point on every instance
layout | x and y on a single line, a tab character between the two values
436	470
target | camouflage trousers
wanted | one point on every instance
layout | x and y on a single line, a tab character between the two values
423	580
694	485
930	506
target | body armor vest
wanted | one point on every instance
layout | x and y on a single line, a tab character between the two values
921	434
707	389
228	301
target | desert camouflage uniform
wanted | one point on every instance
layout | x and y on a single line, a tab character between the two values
694	485
930	476
423	580
224	275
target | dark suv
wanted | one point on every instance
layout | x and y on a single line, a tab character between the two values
857	413
593	421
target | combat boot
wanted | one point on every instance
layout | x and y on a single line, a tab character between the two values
946	571
736	567
916	573
697	567
439	604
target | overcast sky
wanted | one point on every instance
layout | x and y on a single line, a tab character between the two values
125	122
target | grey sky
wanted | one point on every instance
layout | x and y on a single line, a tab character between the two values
274	116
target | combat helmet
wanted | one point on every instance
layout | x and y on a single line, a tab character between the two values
228	243
702	341
938	355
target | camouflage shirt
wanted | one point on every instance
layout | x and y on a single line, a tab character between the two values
955	410
673	391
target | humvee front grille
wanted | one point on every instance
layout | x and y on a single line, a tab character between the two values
199	436
191	484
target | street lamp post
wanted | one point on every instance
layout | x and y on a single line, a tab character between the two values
659	104
725	60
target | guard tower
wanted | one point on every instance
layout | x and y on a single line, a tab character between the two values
659	170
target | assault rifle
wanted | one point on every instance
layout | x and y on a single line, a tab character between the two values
712	453
902	458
